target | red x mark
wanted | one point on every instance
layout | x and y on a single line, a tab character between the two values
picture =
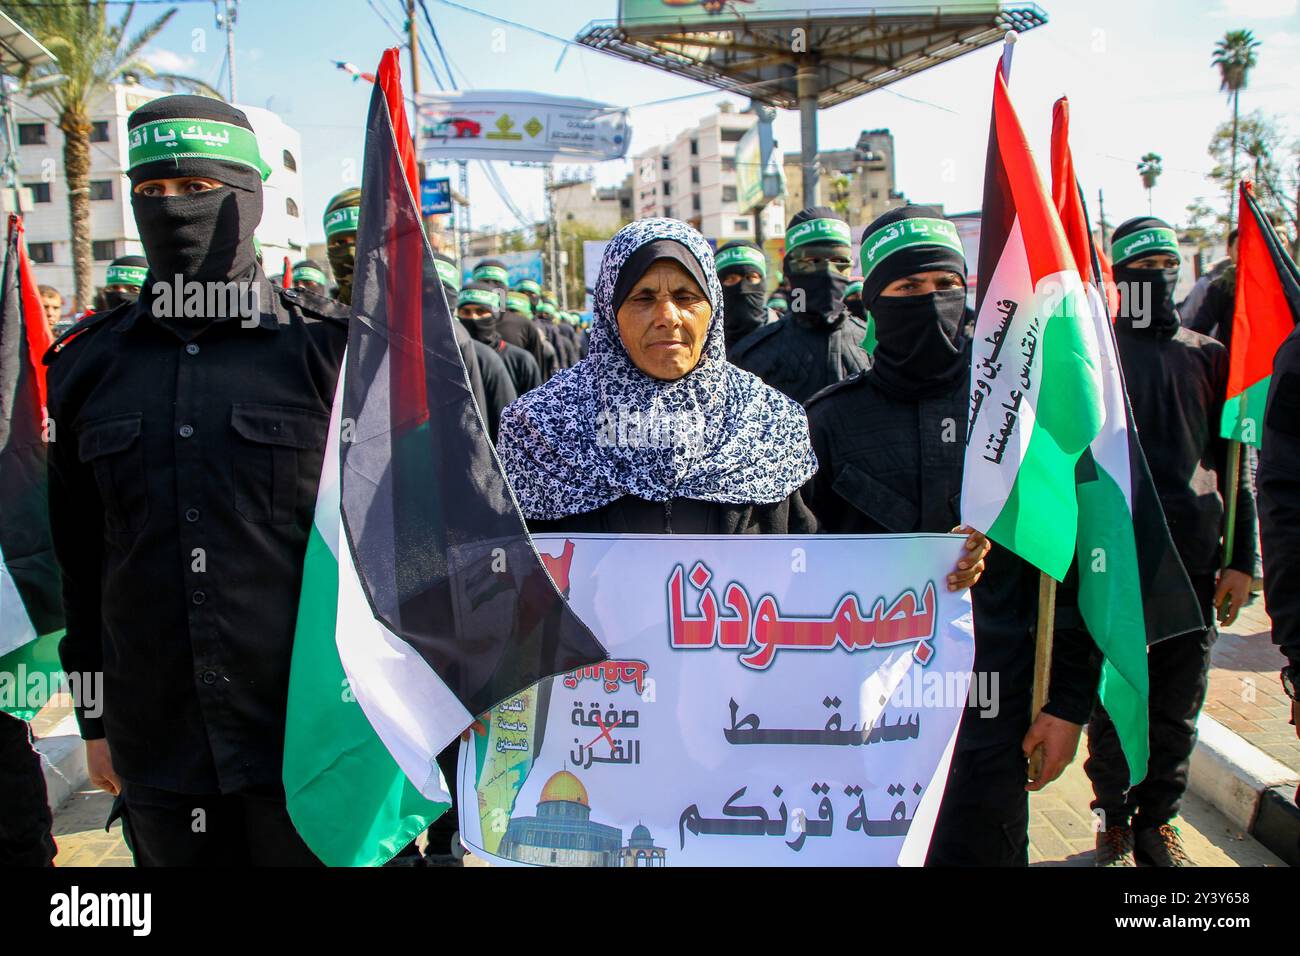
604	732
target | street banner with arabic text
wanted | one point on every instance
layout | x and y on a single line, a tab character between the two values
519	125
769	701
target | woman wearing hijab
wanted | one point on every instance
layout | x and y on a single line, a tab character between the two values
654	432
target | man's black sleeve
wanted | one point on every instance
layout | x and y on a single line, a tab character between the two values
76	525
1279	499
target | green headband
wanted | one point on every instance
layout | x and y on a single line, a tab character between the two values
125	275
341	220
518	302
527	285
1145	242
491	274
308	274
173	139
905	233
853	288
448	273
483	297
817	230
772	302
545	308
741	256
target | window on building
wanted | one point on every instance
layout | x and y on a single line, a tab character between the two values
31	134
290	207
875	194
40	191
695	175
289	162
41	251
695	147
99	131
728	164
728	193
668	189
740	225
668	212
665	164
103	250
733	135
695	203
101	189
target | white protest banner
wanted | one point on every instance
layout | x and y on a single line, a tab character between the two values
770	701
519	125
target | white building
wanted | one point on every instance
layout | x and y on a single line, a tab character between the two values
693	178
40	165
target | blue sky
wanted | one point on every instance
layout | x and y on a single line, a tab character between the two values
1137	73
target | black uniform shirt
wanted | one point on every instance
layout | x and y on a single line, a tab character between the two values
182	484
800	359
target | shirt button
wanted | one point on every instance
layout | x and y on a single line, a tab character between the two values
198	597
209	677
192	515
192	349
186	431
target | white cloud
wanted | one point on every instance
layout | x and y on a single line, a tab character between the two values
165	61
1257	9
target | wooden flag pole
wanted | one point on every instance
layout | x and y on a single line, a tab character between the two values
1230	505
1042	658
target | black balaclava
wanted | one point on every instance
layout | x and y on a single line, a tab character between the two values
128	271
920	348
340	220
487	295
744	304
206	236
449	275
853	299
1132	240
819	229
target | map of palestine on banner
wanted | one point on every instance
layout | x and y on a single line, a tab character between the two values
770	701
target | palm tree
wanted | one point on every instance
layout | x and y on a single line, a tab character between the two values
1150	168
1234	55
92	55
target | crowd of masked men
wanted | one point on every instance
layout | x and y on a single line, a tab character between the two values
196	433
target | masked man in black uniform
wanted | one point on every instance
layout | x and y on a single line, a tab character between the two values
479	309
817	342
190	432
890	446
1176	381
742	270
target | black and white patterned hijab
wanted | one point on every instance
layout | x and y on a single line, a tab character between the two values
604	429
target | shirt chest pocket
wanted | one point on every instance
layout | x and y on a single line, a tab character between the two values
277	459
113	449
886	507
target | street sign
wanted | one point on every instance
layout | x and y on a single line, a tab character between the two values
435	197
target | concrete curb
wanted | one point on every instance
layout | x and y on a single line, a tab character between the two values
63	758
1237	778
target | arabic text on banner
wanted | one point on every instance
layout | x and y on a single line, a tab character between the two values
770	701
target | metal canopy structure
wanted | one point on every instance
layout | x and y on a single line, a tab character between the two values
18	48
812	58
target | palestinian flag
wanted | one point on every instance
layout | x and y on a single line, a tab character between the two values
1036	390
1133	589
31	602
423	600
1266	310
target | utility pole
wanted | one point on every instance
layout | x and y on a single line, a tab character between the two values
413	49
226	21
465	227
552	238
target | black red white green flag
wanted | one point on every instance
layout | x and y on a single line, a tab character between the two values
424	602
31	607
1267	309
1036	391
1133	589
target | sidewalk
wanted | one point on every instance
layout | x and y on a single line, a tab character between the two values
1245	694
